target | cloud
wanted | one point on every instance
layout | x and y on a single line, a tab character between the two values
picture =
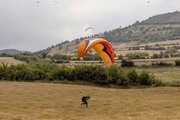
28	25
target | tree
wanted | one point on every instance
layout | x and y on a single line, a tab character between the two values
120	57
127	63
44	54
147	47
155	56
177	62
171	50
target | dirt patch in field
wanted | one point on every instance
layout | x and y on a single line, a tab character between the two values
44	101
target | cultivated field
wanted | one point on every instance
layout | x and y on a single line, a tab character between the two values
48	101
10	61
150	52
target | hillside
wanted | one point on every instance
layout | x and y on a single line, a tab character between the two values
168	18
10	61
157	28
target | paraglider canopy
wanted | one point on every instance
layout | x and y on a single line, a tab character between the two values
148	2
102	47
88	28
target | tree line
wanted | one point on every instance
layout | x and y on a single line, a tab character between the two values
98	75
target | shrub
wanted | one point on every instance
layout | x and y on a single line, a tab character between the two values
161	64
99	75
148	79
155	56
171	50
137	55
133	76
118	76
127	63
61	73
177	62
120	57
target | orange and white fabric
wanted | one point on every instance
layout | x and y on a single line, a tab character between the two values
102	47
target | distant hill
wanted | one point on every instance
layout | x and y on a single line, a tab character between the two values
157	28
168	18
11	51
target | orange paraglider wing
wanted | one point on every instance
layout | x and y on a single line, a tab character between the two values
102	47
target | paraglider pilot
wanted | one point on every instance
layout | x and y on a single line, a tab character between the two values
84	100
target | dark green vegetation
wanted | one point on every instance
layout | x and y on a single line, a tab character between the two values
32	59
98	75
89	56
161	64
177	62
127	63
137	55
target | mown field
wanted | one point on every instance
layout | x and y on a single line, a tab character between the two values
48	101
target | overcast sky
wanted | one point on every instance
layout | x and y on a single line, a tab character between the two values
37	24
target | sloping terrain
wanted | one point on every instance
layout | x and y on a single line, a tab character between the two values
10	61
155	29
48	101
167	18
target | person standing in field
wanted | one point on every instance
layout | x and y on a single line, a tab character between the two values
85	99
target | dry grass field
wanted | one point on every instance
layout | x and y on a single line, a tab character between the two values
48	101
168	76
10	61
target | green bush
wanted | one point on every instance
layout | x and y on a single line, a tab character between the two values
99	75
137	55
127	63
118	76
148	79
61	73
161	64
133	76
177	62
120	57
